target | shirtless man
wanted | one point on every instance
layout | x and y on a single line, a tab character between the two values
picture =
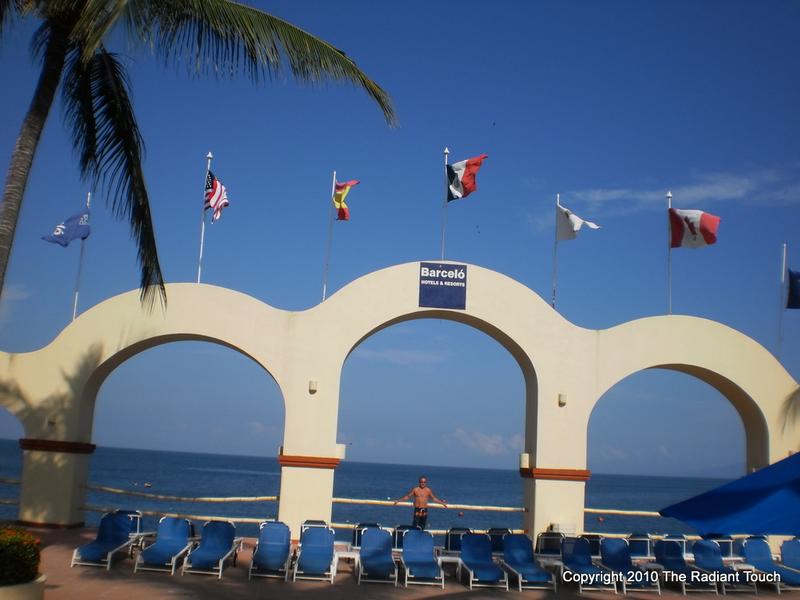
422	494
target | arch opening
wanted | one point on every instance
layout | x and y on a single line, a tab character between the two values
662	435
11	430
187	419
445	400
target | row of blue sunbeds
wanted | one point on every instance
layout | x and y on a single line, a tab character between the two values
482	560
615	569
175	545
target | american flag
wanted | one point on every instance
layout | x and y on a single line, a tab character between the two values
216	196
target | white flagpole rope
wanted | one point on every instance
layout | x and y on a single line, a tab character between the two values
669	255
444	204
80	267
330	240
209	156
555	252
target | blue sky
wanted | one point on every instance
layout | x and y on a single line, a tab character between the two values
609	104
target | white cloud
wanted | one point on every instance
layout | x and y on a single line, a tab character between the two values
258	428
485	443
609	452
399	356
12	293
761	187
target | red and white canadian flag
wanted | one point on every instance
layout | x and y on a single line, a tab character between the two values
692	228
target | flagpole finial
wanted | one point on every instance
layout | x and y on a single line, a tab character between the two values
669	195
209	156
446	150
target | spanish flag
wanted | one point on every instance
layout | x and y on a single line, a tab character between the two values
339	194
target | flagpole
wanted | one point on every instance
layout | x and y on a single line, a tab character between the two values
555	252
80	266
669	254
209	156
444	203
782	303
330	240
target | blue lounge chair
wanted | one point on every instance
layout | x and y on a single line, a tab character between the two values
272	554
496	535
669	555
708	558
376	562
725	543
399	532
358	531
758	554
681	539
316	558
616	557
549	543
113	535
518	559
594	543
640	545
790	554
172	542
452	540
218	544
576	560
420	564
476	559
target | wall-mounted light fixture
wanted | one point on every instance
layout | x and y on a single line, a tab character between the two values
524	461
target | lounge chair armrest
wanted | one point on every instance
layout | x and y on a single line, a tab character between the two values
742	567
118	548
185	550
229	552
508	567
651	566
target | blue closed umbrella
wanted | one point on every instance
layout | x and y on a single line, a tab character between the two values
763	503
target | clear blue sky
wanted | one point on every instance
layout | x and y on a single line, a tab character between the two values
608	103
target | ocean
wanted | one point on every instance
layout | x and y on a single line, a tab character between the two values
192	474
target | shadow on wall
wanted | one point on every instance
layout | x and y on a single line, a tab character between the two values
52	416
790	411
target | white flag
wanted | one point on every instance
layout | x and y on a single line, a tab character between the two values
569	224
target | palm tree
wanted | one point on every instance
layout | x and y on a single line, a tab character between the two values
213	36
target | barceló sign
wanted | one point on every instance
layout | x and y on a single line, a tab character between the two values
443	285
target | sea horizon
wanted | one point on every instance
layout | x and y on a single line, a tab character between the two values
396	464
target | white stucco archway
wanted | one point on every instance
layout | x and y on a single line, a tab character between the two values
566	370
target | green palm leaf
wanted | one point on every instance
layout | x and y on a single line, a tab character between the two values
227	38
107	139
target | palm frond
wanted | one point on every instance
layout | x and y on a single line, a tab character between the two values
7	10
227	38
97	18
78	101
110	146
790	410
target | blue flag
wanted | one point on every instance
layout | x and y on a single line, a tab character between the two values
77	226
794	290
